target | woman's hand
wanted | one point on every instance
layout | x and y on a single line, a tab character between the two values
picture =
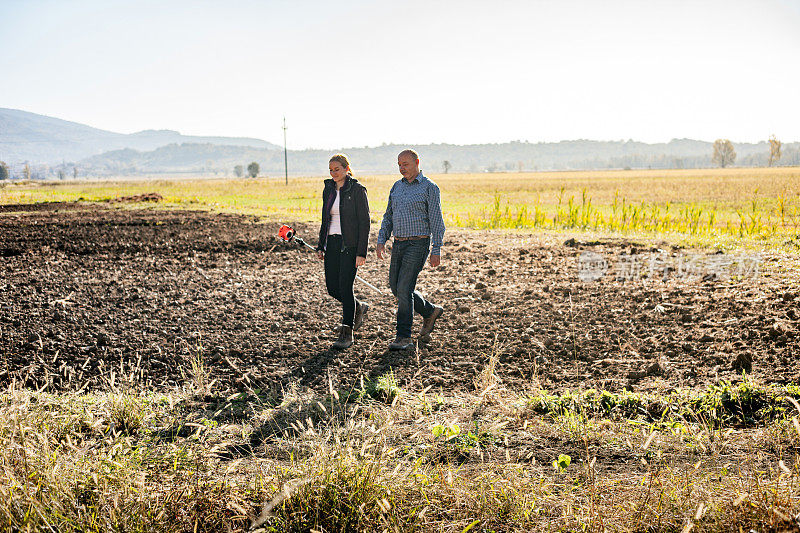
360	261
320	254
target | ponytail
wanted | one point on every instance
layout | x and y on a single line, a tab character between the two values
342	160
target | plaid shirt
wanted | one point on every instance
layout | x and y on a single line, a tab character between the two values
414	209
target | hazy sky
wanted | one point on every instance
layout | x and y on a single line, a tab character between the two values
352	73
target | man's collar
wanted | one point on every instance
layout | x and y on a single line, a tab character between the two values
417	179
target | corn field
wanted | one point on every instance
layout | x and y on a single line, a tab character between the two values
758	221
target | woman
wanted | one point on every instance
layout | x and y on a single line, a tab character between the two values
343	238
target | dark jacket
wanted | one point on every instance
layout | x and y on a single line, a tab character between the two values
353	212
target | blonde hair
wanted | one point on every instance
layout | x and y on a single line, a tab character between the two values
342	160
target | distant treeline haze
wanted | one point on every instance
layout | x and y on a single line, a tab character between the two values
37	146
517	156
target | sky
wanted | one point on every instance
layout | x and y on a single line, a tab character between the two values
361	73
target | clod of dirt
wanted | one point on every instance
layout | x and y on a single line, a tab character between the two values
10	252
779	329
146	197
462	308
634	376
743	361
654	369
480	285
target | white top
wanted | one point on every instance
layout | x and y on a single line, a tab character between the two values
336	221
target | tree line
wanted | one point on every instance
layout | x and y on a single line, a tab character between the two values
724	153
515	156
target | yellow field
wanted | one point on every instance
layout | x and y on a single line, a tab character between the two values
758	204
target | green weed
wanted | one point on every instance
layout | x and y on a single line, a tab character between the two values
622	216
721	405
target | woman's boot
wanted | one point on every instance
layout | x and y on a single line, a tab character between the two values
361	313
345	339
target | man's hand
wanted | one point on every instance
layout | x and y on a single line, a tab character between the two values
434	260
360	261
320	254
380	250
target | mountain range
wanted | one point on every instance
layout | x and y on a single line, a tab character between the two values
53	147
38	139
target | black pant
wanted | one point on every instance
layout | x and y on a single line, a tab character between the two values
340	274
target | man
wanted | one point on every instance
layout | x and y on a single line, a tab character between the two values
414	216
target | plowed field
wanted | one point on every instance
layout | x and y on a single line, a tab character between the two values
92	294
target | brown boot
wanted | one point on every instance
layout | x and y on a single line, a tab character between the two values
345	339
361	314
427	323
401	343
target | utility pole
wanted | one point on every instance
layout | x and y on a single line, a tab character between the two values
285	156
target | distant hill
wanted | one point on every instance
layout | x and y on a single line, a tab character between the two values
55	147
513	156
40	139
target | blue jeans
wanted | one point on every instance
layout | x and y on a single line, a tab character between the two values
408	258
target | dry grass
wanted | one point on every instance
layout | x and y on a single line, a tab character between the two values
417	462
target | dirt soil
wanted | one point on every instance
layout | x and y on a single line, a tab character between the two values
92	294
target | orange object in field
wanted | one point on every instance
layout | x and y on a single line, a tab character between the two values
286	233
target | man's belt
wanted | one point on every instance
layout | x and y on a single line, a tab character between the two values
412	238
